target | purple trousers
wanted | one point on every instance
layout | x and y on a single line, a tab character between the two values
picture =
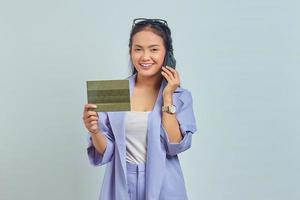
136	181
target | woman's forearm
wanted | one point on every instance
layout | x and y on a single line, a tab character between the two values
170	122
99	142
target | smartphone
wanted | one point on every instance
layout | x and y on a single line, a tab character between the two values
170	60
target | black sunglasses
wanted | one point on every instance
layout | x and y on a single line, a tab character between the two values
143	21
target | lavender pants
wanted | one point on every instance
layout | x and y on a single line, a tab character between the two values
136	181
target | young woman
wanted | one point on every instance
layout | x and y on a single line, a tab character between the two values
140	147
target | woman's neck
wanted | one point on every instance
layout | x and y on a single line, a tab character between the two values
153	82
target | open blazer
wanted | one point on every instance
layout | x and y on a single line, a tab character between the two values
164	178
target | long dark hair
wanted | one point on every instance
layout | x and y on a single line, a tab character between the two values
157	26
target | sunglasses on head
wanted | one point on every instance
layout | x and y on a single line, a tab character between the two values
143	21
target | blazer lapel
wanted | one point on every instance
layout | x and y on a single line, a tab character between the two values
156	155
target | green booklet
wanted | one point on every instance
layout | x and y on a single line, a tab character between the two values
109	95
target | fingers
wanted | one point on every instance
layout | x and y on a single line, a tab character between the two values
174	72
88	110
90	118
170	74
90	121
166	76
88	124
89	107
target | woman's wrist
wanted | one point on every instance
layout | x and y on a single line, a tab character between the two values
168	99
95	132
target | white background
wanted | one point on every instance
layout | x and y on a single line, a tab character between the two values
240	60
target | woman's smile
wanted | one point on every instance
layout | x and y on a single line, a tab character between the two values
146	65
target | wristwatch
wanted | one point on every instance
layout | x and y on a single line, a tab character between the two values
171	109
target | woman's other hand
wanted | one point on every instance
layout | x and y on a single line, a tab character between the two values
173	79
91	118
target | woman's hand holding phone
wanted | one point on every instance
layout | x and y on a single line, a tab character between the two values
173	79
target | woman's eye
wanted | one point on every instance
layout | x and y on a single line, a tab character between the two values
137	49
154	50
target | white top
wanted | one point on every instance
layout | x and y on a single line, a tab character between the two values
136	136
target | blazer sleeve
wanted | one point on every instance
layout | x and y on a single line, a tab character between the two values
95	157
187	123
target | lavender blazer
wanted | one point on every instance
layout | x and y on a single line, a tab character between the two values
164	178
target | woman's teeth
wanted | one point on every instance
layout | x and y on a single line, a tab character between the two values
146	65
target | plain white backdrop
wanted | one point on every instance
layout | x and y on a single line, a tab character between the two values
240	60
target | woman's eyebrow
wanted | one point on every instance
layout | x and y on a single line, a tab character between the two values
153	45
150	46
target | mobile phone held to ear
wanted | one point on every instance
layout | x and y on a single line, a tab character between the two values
170	60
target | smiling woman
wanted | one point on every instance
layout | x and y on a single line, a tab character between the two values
141	147
147	53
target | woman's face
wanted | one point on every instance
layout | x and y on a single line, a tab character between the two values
147	53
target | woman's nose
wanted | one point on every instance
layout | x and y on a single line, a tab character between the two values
146	56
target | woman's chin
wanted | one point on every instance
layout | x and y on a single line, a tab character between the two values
149	73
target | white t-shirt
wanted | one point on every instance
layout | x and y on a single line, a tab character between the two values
136	136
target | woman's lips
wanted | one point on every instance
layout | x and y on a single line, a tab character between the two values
146	65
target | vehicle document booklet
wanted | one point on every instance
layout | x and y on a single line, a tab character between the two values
109	95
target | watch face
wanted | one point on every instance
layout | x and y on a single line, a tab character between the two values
172	109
